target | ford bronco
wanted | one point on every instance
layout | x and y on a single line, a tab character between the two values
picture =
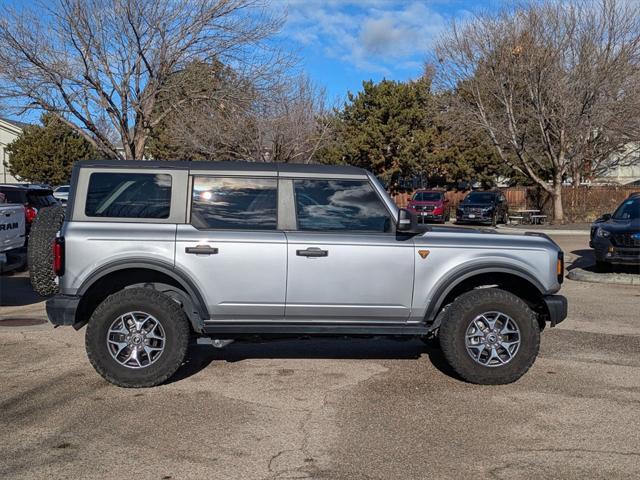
154	254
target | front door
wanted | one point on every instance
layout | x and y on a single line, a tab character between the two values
232	247
345	261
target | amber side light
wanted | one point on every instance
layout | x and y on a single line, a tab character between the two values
560	267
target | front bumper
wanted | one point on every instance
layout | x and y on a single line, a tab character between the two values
61	309
557	307
475	219
605	252
429	216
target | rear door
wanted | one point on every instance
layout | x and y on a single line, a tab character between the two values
232	248
346	263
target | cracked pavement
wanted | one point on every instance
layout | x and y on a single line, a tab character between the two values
327	408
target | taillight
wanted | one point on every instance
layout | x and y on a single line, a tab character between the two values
30	214
58	256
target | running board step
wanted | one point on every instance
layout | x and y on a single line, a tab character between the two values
228	330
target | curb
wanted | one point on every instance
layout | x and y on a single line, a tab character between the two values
581	275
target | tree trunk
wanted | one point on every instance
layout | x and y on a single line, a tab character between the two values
556	196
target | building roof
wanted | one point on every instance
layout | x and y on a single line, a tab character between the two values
15	123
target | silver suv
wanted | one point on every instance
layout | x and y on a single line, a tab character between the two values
153	254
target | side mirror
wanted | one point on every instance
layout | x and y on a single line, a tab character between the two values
407	221
604	218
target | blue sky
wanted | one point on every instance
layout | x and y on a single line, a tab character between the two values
343	42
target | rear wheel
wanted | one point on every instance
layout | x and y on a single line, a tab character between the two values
490	336
137	337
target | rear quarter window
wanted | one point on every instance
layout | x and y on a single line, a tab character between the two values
128	195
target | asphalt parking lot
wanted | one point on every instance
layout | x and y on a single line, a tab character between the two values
328	409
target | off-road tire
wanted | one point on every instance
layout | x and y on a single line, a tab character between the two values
40	250
458	317
165	310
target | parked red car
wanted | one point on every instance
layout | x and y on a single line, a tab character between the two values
430	205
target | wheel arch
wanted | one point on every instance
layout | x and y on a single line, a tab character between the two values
506	277
154	274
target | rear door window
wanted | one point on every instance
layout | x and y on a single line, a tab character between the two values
234	203
128	195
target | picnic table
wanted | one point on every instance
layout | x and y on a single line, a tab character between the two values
529	215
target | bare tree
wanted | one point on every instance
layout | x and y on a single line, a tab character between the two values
233	118
555	85
100	65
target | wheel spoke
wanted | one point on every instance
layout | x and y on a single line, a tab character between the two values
133	356
490	323
121	346
494	355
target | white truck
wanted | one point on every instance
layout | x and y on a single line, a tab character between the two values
12	236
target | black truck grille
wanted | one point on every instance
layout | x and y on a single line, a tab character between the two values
625	240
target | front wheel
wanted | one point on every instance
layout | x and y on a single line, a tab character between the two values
490	336
137	337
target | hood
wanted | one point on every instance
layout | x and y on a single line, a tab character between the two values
484	238
426	202
476	205
620	226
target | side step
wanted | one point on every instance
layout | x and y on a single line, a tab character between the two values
229	329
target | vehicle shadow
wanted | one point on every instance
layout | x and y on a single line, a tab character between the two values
201	356
16	291
586	260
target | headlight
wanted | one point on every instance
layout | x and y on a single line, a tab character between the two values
603	233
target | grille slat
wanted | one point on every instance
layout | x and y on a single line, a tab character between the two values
625	240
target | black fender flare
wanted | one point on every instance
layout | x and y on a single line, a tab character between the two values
455	277
181	277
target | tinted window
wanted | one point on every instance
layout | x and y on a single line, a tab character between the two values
629	210
427	196
62	190
129	195
480	197
15	196
235	203
339	205
43	198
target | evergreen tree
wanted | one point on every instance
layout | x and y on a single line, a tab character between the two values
46	154
386	128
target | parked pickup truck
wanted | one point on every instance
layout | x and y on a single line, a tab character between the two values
12	236
151	254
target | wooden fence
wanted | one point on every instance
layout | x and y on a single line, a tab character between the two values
581	204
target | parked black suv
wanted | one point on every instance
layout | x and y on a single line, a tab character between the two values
483	207
32	196
615	237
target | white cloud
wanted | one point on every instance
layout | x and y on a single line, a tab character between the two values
373	35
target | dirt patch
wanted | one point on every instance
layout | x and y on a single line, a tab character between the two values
21	322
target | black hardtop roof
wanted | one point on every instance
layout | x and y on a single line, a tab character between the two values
25	186
225	166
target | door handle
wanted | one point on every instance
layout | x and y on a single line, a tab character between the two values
202	250
312	252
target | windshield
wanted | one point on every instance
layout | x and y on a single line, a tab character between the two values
427	196
480	197
629	210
